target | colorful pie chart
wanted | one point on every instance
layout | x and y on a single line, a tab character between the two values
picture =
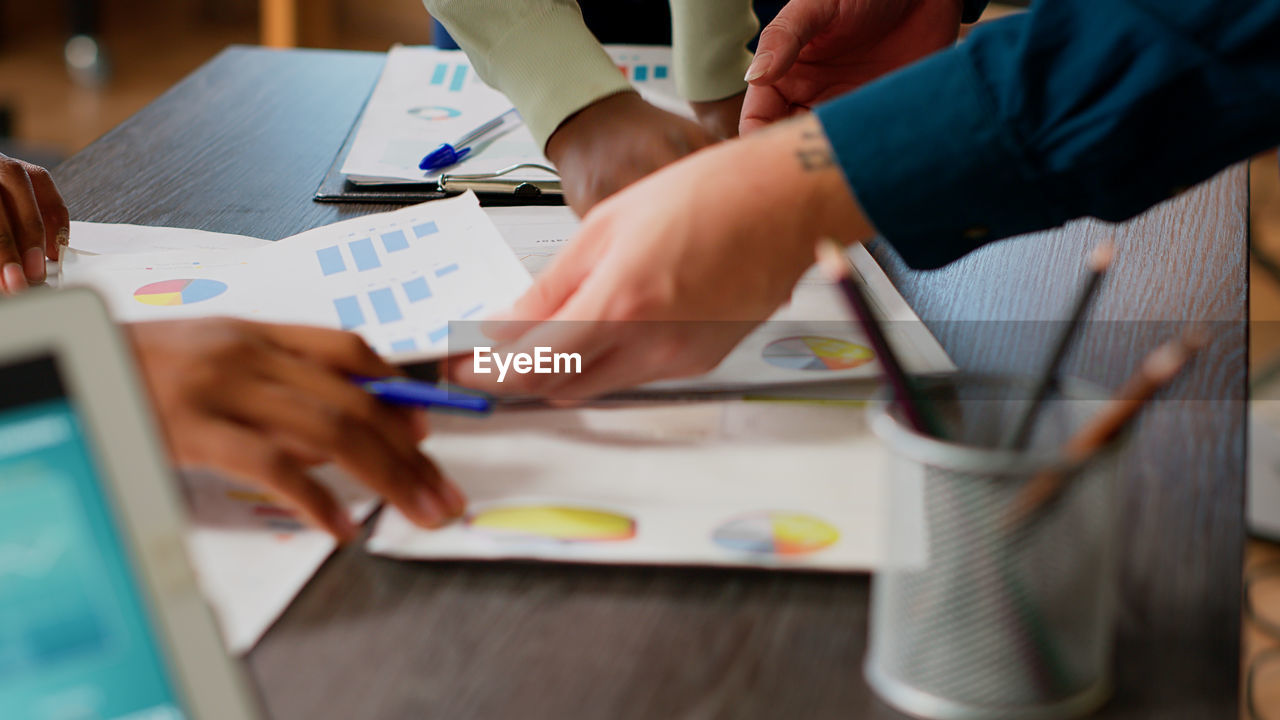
179	292
813	352
771	532
553	522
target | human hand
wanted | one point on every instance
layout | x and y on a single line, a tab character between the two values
262	403
665	277
815	50
720	117
615	141
34	223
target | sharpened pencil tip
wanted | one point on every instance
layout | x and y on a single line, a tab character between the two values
831	259
1165	361
1100	258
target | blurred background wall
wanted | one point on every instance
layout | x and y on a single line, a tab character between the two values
56	96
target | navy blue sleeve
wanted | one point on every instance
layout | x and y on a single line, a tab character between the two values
1074	108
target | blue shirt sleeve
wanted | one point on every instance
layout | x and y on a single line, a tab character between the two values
1074	108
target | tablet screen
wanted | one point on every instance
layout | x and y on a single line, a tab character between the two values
76	637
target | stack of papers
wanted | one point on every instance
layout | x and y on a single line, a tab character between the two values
743	483
426	97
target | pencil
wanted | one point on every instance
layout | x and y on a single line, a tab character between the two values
1157	370
1099	260
914	408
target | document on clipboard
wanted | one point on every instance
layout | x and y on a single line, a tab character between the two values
426	98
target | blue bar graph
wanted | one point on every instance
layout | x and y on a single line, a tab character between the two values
363	253
331	260
425	229
384	306
395	241
349	313
417	289
472	311
641	73
659	72
438	334
437	76
459	76
407	345
447	269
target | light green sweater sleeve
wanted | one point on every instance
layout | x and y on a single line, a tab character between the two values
709	39
539	53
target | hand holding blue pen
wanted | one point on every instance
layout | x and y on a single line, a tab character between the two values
446	154
413	393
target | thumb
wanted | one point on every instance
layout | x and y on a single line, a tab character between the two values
795	26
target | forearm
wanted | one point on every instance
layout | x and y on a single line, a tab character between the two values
539	53
709	41
1073	108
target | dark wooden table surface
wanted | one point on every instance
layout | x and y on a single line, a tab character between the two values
240	145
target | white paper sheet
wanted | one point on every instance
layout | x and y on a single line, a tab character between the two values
396	278
776	485
815	327
426	97
253	557
115	239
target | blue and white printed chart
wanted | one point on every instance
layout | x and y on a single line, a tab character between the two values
396	278
426	97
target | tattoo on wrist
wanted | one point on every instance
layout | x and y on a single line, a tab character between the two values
814	152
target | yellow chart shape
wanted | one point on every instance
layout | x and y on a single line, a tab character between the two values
772	532
815	352
554	522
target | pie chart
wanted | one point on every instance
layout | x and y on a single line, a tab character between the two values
772	532
814	352
553	522
179	292
434	112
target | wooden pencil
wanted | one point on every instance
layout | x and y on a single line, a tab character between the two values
1020	431
915	409
1157	370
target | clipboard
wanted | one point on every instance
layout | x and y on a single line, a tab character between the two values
491	188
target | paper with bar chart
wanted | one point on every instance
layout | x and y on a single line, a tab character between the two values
425	97
396	278
753	484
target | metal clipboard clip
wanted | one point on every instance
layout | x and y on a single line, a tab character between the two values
493	182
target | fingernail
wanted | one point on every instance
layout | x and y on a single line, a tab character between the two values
62	240
33	261
454	499
759	66
427	506
14	280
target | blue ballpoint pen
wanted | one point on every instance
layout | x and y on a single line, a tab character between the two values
446	154
413	393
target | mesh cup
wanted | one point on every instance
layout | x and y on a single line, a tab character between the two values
1004	620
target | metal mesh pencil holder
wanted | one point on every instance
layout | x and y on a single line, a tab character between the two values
1012	615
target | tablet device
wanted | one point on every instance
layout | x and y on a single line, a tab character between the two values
100	613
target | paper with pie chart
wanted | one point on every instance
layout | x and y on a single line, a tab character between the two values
751	484
398	278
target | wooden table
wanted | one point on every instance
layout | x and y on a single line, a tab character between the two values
239	147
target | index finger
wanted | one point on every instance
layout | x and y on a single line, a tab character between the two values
53	210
